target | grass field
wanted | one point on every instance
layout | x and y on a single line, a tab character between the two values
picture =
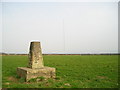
73	71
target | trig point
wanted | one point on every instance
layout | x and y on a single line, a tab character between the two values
35	66
35	56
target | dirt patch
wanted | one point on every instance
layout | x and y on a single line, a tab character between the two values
67	84
12	79
7	83
101	77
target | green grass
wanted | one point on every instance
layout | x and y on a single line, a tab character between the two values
73	71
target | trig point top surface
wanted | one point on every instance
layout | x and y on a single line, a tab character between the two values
35	55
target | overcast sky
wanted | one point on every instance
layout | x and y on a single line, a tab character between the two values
61	27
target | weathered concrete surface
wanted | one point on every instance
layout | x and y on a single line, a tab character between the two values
35	66
35	55
28	73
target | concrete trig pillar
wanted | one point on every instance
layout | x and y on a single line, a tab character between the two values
35	67
35	56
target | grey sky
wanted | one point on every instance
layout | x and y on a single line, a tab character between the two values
61	27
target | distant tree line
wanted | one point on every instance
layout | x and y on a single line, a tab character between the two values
65	54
